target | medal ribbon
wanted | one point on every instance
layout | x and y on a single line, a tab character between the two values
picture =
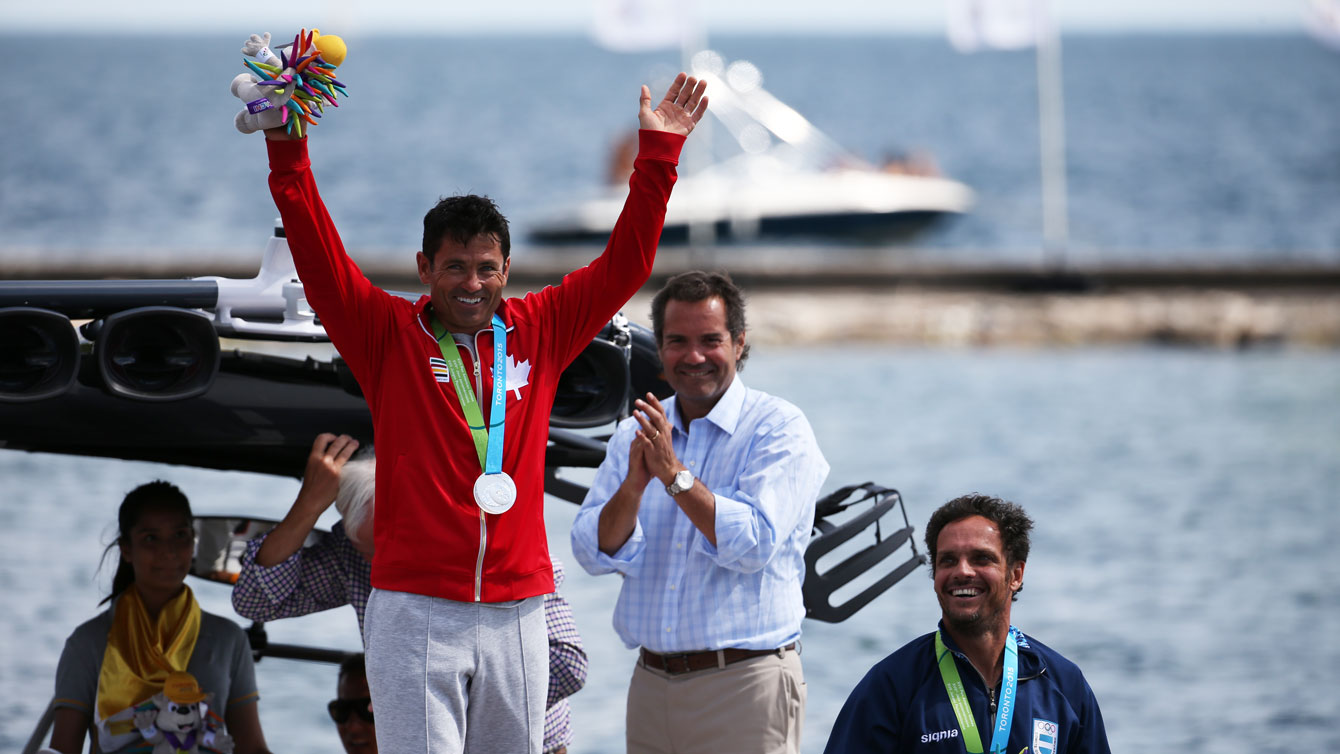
958	699
488	440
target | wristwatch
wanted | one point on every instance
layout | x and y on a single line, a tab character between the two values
683	482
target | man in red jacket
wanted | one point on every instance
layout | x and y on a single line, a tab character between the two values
460	385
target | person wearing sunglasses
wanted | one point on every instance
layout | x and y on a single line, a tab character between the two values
351	709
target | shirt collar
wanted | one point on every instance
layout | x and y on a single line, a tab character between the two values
1030	662
726	414
422	314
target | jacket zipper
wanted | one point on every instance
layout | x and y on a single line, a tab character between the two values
483	524
991	691
990	695
479	564
991	708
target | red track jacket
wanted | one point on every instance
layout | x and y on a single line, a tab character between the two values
431	537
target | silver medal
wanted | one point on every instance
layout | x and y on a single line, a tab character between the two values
495	493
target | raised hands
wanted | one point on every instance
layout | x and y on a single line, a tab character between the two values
683	106
321	480
320	485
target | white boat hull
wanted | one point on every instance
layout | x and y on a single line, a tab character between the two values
768	203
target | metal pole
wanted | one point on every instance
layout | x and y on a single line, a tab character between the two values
39	735
701	235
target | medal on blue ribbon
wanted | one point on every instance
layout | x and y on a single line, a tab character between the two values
494	490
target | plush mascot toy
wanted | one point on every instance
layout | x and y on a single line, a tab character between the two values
177	720
291	88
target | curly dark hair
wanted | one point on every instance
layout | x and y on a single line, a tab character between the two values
1013	522
462	218
698	285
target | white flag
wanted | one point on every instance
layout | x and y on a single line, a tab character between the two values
996	24
633	25
1323	22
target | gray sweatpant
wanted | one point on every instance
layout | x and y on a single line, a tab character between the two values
448	677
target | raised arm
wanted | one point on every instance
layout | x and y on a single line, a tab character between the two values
320	484
660	461
281	134
774	490
591	295
355	313
592	531
618	518
279	578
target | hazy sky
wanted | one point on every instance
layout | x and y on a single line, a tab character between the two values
723	16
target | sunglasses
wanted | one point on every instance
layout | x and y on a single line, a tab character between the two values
340	709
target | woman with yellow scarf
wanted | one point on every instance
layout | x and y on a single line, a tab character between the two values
154	628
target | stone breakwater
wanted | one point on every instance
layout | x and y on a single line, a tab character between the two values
874	300
1217	318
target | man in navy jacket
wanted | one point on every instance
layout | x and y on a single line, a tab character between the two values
977	684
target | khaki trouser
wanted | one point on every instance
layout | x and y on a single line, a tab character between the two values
756	705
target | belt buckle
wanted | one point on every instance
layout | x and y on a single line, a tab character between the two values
676	664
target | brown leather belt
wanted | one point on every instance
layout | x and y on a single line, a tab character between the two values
688	662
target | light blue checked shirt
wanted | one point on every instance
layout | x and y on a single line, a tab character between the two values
758	456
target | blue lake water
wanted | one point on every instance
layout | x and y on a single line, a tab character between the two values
1183	555
1206	149
1185	499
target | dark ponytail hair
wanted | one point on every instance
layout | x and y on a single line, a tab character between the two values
158	494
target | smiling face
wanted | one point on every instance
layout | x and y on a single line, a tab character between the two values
698	354
465	281
973	582
359	736
159	547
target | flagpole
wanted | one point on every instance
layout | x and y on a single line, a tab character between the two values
702	235
1051	135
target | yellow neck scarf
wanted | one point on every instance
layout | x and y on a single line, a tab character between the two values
142	651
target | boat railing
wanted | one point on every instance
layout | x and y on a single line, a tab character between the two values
43	729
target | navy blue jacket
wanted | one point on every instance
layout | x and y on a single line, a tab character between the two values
901	705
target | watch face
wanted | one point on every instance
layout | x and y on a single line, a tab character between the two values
683	481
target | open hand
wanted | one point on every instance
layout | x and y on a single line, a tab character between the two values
680	110
257	47
321	480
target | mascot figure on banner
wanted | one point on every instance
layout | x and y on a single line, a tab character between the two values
292	88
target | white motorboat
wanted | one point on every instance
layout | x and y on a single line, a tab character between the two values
787	179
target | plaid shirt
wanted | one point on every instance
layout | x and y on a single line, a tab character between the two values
332	573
